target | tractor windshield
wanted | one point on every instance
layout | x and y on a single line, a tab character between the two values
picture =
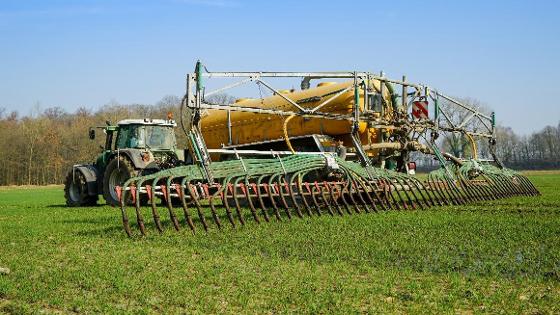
151	137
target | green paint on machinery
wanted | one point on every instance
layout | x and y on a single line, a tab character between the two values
277	189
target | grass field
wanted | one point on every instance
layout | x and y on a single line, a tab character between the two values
497	257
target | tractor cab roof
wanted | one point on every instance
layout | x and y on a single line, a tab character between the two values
148	122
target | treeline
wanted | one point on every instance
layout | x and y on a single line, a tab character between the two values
40	148
540	150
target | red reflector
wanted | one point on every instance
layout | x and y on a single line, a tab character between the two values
411	165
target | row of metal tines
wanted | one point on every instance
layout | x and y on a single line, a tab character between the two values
243	200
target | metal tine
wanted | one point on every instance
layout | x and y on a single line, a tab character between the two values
279	191
396	191
513	186
356	197
317	197
507	187
349	188
501	191
444	193
421	202
163	189
443	197
428	188
324	199
519	189
467	193
360	194
155	214
522	188
411	195
448	183
415	194
484	189
206	191
311	193
368	189
328	185
388	195
233	189
136	199
194	198
478	191
473	188
496	192
290	191
257	188
268	189
532	190
499	182
488	191
454	189
222	192
186	212
122	193
299	185
376	191
423	192
364	185
245	187
410	192
169	202
342	192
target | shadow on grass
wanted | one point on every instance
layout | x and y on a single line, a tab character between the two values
103	232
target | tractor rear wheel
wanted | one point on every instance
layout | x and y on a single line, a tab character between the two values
76	190
118	171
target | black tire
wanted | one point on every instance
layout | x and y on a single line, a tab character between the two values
118	171
76	190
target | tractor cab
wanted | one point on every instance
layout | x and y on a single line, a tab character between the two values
154	134
150	139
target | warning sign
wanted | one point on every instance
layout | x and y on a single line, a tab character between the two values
420	109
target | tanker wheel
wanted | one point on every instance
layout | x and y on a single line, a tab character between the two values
118	171
76	190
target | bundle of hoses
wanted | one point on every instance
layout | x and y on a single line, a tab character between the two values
301	185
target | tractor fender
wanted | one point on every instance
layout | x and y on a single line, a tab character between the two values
135	156
91	174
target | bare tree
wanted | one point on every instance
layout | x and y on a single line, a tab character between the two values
456	142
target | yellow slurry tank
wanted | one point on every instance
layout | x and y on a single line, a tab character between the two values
252	128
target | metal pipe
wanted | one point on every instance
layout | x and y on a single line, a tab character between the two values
404	95
272	111
289	100
230	140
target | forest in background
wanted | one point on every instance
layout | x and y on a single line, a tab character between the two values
39	148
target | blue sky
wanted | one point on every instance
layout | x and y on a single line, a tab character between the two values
88	53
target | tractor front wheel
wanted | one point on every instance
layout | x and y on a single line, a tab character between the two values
76	190
118	171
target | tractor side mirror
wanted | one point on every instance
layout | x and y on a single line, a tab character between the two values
92	134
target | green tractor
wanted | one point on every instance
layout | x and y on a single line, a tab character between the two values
133	147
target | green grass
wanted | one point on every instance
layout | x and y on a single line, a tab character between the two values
497	257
